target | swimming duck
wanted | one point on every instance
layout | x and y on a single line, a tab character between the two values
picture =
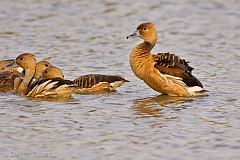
42	88
52	72
40	67
91	83
165	72
10	81
98	83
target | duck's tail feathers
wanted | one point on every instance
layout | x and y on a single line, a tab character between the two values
197	91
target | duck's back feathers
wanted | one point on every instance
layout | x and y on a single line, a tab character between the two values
87	81
5	63
171	60
172	65
8	75
5	66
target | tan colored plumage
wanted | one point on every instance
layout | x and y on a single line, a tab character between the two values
28	62
165	73
40	67
7	78
42	88
52	72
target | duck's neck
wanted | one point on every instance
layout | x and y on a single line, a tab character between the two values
23	88
37	74
139	55
141	52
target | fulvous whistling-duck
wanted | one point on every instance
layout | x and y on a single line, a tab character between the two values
165	72
91	83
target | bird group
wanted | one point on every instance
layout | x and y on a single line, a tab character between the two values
27	77
163	72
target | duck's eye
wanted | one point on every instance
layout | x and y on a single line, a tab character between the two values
46	65
21	58
45	72
144	29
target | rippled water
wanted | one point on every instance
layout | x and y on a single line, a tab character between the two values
136	122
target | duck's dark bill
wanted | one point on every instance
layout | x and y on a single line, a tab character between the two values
135	34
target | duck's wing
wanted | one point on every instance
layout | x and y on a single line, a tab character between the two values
174	67
42	87
6	66
4	63
87	81
7	81
8	75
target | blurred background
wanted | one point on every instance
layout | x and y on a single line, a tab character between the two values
89	36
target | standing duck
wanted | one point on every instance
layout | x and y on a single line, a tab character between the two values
42	88
165	72
91	83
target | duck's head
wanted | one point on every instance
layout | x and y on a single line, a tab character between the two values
27	61
40	67
146	31
52	72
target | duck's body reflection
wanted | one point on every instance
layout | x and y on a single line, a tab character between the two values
56	99
152	106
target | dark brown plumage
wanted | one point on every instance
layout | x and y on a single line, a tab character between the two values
87	81
172	65
7	81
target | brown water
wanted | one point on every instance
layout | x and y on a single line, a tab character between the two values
136	122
